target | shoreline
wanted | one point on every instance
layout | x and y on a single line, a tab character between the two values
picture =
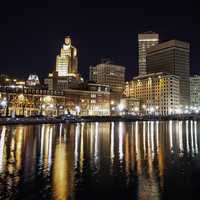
55	120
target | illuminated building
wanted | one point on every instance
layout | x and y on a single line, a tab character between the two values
107	73
145	41
33	80
26	101
49	82
129	105
61	83
7	81
158	93
67	61
195	90
172	57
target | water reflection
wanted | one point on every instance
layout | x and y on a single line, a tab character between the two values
142	160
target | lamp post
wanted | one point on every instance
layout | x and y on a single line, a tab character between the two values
4	104
77	108
120	108
144	107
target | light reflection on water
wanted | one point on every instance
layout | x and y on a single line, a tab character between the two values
140	160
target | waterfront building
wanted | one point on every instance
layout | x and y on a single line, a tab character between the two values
110	74
158	93
67	61
145	41
129	106
195	91
94	101
172	57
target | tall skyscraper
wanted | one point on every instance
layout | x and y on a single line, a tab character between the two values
172	57
67	61
145	41
109	74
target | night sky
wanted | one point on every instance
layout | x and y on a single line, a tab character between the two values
32	32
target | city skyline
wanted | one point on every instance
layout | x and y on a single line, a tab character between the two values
85	72
99	100
31	43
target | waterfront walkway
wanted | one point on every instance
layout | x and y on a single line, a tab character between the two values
78	119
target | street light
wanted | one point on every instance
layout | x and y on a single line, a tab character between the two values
112	102
3	103
152	109
144	106
120	107
77	108
51	106
136	109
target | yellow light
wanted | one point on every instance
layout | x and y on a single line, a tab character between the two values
21	98
20	82
48	99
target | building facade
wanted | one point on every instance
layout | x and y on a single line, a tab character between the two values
67	61
33	80
29	102
172	57
195	91
62	83
129	106
158	93
107	73
145	41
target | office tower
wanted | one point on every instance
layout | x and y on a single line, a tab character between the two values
157	92
145	41
67	61
172	57
195	91
109	74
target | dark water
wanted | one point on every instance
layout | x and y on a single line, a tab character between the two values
140	160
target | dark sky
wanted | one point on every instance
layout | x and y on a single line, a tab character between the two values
32	32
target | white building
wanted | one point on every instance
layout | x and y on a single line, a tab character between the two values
33	80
